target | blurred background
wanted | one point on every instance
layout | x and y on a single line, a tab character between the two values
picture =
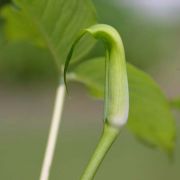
150	30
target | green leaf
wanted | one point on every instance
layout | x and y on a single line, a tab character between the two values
51	23
150	118
22	62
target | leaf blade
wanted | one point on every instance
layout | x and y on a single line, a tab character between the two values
52	23
150	117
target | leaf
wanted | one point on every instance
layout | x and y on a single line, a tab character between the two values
51	23
150	118
21	62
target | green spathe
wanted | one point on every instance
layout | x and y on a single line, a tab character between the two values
116	83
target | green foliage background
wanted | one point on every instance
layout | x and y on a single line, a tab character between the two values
28	51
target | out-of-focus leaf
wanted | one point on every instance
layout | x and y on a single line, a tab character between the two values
22	62
175	103
150	118
51	23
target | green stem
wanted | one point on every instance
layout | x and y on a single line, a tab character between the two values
108	137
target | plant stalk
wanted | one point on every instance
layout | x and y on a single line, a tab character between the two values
108	137
53	133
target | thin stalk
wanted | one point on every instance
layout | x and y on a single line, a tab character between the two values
108	137
53	133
